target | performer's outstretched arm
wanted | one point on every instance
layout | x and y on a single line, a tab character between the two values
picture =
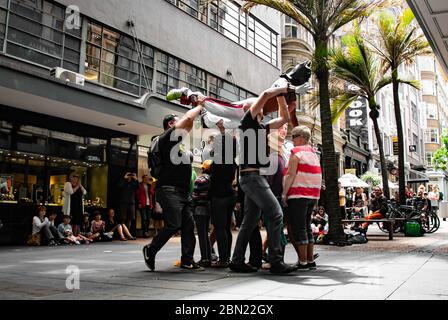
187	120
257	107
283	114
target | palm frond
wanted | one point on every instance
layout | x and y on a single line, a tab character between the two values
413	83
341	104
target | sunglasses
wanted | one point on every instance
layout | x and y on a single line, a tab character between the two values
296	136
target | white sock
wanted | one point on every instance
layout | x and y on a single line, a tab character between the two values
303	263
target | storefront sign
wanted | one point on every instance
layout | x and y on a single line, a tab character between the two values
356	118
396	148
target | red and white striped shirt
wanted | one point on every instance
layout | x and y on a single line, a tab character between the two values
308	181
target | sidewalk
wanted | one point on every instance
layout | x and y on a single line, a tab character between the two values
405	268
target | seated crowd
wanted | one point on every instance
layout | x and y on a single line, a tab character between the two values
92	229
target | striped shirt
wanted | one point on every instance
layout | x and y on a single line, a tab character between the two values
308	181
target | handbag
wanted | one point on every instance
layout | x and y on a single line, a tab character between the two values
34	239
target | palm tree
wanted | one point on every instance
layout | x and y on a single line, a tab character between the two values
399	42
322	18
357	66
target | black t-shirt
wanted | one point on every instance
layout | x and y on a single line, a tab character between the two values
109	225
251	142
222	177
177	174
127	192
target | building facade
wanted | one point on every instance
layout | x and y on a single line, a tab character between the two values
435	94
82	86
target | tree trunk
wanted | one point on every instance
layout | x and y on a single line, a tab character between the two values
401	159
336	232
374	114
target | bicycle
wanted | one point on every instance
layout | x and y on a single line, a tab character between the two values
428	219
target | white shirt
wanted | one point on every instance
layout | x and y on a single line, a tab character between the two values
147	194
39	224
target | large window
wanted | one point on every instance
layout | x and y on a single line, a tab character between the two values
224	90
294	30
414	113
173	73
227	18
432	136
428	87
3	6
431	111
112	59
37	33
429	156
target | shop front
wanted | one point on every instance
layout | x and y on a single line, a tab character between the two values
38	152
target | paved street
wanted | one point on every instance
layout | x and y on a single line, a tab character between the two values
406	268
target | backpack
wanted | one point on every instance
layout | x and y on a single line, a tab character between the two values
358	239
155	158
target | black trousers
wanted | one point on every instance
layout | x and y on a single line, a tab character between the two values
202	228
178	215
221	213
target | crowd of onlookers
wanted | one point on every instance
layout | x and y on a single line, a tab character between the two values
92	229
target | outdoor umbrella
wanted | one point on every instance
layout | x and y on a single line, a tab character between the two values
350	180
392	185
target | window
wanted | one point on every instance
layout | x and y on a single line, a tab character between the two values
428	87
112	59
227	18
36	33
431	111
415	143
414	113
426	63
429	156
173	73
224	90
432	136
3	5
294	30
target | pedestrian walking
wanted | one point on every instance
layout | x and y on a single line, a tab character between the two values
258	196
172	191
223	200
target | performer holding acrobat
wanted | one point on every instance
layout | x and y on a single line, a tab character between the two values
232	112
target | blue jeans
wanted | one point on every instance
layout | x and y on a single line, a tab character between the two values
178	215
259	198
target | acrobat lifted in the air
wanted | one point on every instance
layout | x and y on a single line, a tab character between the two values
231	113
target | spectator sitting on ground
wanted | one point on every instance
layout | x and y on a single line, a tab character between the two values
41	226
66	230
85	229
58	237
112	226
319	219
98	227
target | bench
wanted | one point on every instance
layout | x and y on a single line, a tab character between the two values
391	221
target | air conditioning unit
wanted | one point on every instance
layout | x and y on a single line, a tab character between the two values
68	76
